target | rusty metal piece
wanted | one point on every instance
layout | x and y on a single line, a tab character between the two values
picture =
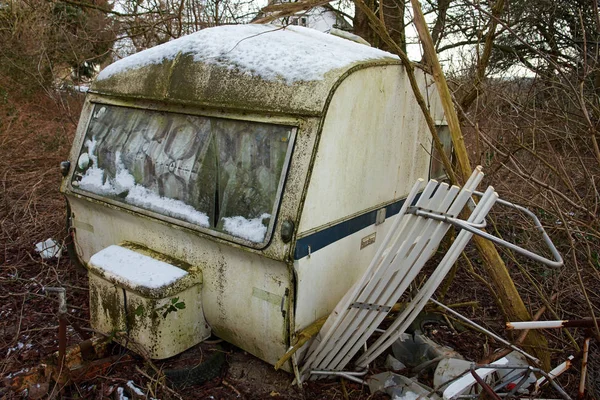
484	385
74	365
62	322
92	369
62	339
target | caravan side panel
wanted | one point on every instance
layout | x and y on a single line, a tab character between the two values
374	145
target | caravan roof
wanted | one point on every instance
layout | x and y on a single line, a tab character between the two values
245	67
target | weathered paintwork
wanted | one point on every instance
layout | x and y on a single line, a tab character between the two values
188	82
373	147
360	142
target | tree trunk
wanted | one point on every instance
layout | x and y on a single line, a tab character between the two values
392	15
508	295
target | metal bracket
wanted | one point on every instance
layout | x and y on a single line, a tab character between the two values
476	230
350	375
438	216
370	307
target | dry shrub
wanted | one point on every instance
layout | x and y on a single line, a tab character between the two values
36	133
534	141
35	136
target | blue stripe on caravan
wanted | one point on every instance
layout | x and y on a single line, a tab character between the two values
332	234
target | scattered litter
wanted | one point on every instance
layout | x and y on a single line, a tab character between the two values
415	350
509	378
121	394
22	370
399	387
48	249
81	88
449	369
465	383
19	346
135	391
393	363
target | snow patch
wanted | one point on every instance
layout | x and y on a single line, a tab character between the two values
134	269
121	394
135	389
19	346
94	181
272	53
249	229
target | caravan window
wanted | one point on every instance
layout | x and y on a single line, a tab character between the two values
223	175
436	169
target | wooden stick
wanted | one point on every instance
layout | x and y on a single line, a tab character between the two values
303	337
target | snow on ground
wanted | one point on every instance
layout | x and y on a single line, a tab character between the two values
121	394
95	181
135	389
134	269
273	53
19	346
249	229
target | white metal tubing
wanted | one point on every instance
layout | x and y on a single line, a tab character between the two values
378	347
487	332
461	224
404	268
346	375
557	262
346	316
555	372
534	325
328	329
464	383
425	293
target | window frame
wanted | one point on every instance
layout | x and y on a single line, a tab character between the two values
293	125
433	153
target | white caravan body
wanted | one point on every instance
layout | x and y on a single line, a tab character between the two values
271	160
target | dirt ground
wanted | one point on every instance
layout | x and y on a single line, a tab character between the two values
35	135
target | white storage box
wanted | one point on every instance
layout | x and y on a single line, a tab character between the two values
156	300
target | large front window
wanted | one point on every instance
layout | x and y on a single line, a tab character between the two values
220	174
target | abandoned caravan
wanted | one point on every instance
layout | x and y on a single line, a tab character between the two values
237	182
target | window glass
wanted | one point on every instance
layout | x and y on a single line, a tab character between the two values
436	170
215	173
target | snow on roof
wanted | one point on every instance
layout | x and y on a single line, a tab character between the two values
134	269
273	53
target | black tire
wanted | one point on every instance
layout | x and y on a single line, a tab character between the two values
199	374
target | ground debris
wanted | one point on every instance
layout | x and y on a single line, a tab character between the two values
49	249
